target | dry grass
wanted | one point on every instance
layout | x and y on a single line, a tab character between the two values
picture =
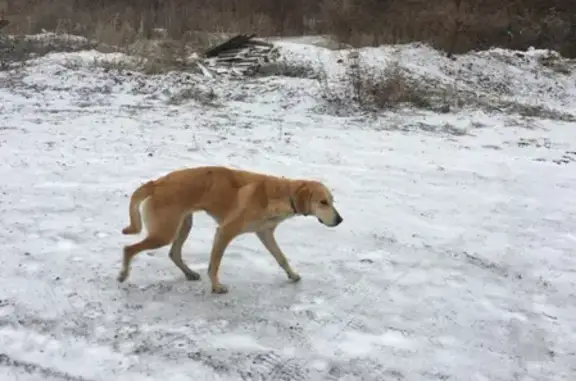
386	89
451	25
374	89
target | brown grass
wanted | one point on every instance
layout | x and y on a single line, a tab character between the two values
454	26
390	86
387	88
375	89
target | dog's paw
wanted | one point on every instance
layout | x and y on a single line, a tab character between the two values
192	276
219	289
122	276
130	230
294	277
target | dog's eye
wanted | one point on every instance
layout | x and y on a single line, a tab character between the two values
324	202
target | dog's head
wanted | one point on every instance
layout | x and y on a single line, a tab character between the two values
314	198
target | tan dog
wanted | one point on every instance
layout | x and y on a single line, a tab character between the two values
240	202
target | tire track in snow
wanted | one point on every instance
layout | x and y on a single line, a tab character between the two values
270	366
31	368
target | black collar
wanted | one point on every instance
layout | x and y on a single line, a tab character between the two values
293	206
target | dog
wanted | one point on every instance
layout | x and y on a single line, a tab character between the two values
239	201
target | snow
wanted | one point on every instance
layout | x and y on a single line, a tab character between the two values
455	260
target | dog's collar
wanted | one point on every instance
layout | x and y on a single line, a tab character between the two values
293	207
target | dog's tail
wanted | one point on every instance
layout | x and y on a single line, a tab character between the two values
139	195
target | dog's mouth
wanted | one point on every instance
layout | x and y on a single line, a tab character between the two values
331	225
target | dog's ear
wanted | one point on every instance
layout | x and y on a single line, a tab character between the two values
302	199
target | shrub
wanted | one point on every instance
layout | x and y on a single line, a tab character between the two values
373	89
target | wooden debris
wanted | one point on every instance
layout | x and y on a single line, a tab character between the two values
240	55
237	41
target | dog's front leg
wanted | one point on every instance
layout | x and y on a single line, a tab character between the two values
268	240
248	207
224	235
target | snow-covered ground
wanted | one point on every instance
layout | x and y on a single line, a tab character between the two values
456	259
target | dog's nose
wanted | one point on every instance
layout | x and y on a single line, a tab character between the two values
339	219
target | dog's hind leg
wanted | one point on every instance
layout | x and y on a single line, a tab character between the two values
269	242
176	249
162	228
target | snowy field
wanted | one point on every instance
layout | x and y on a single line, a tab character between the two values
456	259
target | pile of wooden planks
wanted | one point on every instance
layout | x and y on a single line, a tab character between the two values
240	55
